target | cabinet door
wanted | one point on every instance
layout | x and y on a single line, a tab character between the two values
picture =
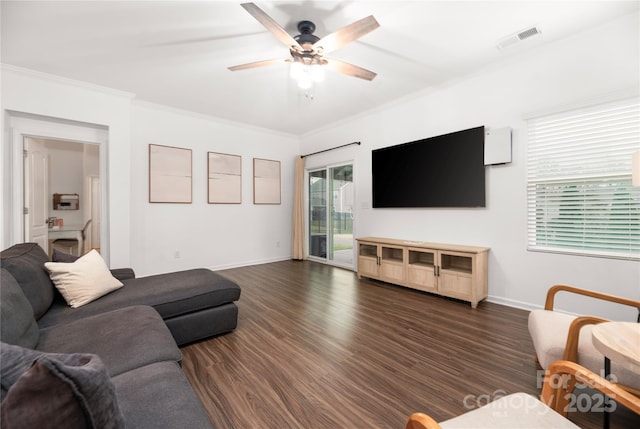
392	264
456	278
421	269
368	260
456	285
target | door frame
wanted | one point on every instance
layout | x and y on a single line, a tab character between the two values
23	125
307	213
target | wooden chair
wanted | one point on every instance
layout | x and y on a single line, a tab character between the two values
520	410
561	336
68	245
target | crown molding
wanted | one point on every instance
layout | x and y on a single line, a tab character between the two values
66	81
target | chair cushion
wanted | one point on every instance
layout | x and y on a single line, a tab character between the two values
549	330
518	410
84	280
17	324
25	262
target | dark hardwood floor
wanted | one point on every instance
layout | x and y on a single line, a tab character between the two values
317	348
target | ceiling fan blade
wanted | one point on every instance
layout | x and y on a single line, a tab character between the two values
346	35
258	64
271	25
349	69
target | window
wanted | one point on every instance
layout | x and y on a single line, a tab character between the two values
579	194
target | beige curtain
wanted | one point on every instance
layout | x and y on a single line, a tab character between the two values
297	245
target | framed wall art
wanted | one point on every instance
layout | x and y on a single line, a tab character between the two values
266	181
170	174
224	183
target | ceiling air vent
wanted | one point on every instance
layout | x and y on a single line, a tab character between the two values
517	37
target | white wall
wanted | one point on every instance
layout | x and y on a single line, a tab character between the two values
40	94
66	176
168	237
578	69
147	236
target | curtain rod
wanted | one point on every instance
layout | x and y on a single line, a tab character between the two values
327	150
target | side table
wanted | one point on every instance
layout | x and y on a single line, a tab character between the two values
618	341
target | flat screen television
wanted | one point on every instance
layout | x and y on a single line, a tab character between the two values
441	171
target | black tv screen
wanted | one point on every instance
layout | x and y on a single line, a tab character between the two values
441	171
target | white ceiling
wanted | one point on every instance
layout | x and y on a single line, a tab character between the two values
177	53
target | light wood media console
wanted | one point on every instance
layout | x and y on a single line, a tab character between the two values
444	269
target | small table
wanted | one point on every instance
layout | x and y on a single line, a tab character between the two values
71	231
619	341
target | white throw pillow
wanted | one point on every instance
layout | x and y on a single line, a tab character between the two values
82	281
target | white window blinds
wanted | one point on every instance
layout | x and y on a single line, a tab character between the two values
579	194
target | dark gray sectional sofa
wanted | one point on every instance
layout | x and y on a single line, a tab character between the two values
135	331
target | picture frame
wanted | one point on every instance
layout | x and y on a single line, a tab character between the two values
266	181
170	174
224	178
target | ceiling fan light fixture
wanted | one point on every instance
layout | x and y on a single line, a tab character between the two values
307	50
305	74
296	70
317	73
305	80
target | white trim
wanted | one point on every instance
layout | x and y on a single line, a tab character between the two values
210	118
513	303
584	103
523	305
22	125
66	81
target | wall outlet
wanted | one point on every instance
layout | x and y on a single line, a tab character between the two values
176	255
277	244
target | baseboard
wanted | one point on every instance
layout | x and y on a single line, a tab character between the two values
513	303
248	263
524	305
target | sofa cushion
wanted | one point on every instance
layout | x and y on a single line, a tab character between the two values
119	273
25	262
205	323
198	289
14	361
60	256
159	396
84	373
39	399
124	339
84	280
17	324
170	294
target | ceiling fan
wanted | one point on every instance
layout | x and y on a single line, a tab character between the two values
308	50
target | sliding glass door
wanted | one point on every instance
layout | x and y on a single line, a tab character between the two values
331	199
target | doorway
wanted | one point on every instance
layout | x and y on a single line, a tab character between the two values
64	168
331	200
92	138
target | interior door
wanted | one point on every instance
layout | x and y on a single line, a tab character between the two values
95	213
36	181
